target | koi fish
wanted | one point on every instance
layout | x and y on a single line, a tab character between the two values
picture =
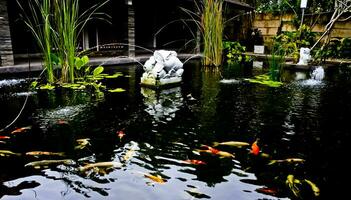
195	162
288	160
82	143
195	193
314	187
47	163
231	143
130	153
120	134
7	153
293	183
156	179
224	154
4	137
213	150
21	130
100	165
255	149
44	153
62	122
268	191
221	154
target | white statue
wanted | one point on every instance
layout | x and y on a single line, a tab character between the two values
164	66
305	56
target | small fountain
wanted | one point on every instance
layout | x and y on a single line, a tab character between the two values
318	73
163	68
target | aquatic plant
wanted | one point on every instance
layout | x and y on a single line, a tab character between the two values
58	31
40	25
68	25
288	43
234	52
212	24
265	80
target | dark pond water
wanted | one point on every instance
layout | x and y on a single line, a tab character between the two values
303	119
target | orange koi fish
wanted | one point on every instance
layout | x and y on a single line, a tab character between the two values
4	137
195	162
157	179
21	130
268	191
120	134
255	149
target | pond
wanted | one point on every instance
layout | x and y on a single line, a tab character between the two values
150	139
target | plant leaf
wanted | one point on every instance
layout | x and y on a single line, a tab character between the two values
98	71
117	90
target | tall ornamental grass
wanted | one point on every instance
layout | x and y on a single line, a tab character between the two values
212	24
56	25
66	22
39	23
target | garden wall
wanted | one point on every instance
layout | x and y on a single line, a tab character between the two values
270	25
6	55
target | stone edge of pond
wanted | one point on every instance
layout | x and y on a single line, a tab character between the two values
107	61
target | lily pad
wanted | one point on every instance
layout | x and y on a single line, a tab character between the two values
47	87
117	90
265	80
114	75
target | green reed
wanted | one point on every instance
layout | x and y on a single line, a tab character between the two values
212	24
39	23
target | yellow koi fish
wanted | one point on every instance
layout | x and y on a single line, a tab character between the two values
100	165
44	153
156	179
232	144
129	155
293	183
47	163
7	153
288	160
82	143
221	154
314	187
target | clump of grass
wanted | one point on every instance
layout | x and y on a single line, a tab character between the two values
59	31
69	23
212	25
39	23
209	20
66	22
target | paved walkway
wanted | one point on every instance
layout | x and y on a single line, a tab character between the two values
36	65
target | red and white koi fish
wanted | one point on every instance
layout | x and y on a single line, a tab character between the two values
4	137
211	150
195	162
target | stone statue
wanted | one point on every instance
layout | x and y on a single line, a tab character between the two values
162	68
305	56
